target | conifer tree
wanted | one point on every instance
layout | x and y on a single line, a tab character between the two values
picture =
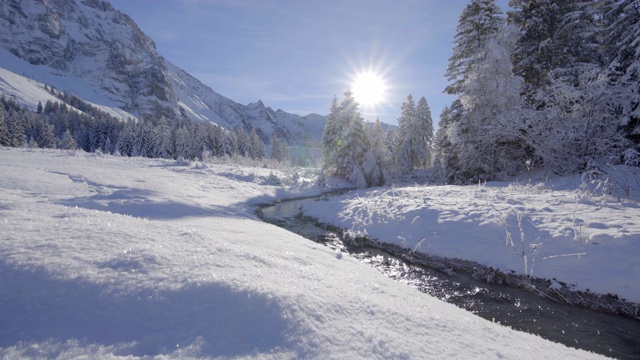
423	136
162	139
480	20
623	32
4	132
242	141
403	147
126	139
67	142
330	138
256	146
349	154
380	150
278	149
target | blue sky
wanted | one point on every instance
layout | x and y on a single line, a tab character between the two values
295	55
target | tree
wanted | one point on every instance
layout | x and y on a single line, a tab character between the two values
162	139
380	149
559	39
446	163
402	154
422	136
183	148
623	32
256	146
16	128
330	138
126	139
67	142
490	133
4	132
347	146
480	20
242	141
278	149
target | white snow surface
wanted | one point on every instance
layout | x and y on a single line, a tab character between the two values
108	257
568	230
29	92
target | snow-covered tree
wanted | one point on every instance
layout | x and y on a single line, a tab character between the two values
243	141
330	138
380	149
4	132
446	164
67	142
126	139
256	145
623	32
279	151
402	154
347	146
162	139
422	144
480	21
183	143
16	129
490	143
143	139
414	137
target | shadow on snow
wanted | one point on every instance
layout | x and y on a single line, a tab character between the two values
36	307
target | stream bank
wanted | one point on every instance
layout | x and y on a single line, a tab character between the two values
507	298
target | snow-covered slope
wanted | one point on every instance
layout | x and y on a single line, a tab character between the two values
108	257
97	53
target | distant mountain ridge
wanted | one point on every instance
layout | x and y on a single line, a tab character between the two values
90	49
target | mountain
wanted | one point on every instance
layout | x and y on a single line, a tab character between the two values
93	51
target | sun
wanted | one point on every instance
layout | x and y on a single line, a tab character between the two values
369	88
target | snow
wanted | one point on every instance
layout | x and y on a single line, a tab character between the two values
109	257
564	229
29	92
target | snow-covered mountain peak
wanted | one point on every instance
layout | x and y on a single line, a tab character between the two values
90	49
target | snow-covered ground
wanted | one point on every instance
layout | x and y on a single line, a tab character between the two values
106	257
564	229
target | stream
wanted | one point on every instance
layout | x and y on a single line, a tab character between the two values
610	335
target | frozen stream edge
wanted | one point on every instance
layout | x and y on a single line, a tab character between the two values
553	290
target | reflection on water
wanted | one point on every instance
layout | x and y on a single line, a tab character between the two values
522	310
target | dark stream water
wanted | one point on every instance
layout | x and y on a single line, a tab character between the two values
610	335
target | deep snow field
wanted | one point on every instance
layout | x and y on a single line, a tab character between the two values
580	231
109	257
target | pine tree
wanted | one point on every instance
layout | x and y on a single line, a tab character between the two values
278	149
623	32
16	127
402	154
330	138
256	146
480	20
422	136
67	142
183	147
126	139
380	149
348	148
242	141
491	144
4	132
446	163
162	139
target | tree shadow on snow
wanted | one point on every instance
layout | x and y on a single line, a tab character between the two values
37	307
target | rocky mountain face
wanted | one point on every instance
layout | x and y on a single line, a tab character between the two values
99	54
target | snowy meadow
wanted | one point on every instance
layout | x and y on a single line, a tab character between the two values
580	233
110	257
